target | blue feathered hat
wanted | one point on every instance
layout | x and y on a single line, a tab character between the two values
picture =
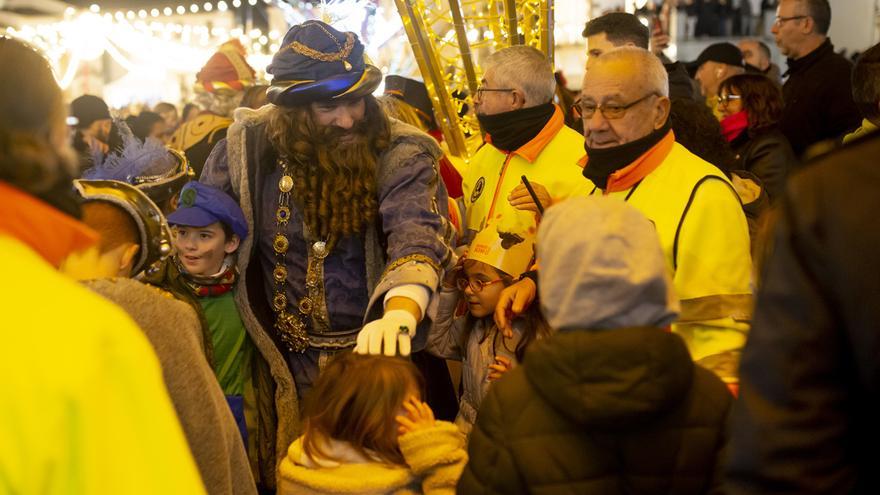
316	62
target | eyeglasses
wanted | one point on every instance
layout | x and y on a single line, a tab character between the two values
475	285
780	20
481	90
725	100
610	111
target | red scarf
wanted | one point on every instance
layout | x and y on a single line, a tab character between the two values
733	125
51	233
208	286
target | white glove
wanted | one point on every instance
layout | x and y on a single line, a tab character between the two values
396	330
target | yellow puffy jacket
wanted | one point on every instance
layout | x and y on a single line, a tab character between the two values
83	407
705	238
549	159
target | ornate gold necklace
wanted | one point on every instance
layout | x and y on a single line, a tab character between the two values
290	326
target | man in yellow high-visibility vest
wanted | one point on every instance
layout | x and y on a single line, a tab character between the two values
632	155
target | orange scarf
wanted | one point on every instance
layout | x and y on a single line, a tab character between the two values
49	232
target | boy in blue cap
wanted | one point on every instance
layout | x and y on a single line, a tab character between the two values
209	226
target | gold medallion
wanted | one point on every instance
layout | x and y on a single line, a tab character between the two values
346	65
280	244
320	249
285	184
279	302
282	214
306	306
279	273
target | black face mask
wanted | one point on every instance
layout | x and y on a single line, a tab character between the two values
511	130
605	161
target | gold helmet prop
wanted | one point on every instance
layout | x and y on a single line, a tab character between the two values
161	188
155	234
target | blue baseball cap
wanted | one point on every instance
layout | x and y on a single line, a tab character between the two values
201	205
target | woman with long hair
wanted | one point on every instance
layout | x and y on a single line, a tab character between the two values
751	106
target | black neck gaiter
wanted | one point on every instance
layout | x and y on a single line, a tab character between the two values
511	130
605	161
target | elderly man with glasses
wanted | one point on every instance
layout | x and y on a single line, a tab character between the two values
631	154
525	136
817	93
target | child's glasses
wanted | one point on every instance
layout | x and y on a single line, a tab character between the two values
475	285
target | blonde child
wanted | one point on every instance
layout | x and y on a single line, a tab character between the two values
491	264
368	432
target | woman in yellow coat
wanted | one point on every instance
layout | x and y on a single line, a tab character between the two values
368	432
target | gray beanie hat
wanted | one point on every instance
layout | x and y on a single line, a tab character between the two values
601	267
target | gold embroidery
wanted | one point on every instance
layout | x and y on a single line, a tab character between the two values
340	55
418	258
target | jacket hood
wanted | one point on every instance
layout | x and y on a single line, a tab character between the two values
602	267
611	379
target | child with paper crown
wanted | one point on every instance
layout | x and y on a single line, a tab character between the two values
494	260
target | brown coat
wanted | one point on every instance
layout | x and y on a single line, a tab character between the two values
173	329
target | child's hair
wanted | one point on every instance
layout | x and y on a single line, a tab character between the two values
534	323
355	400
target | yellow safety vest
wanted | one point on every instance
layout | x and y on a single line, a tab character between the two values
705	239
549	159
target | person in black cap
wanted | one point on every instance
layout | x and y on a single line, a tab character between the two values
93	124
715	64
347	215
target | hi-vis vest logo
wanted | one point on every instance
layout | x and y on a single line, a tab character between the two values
478	189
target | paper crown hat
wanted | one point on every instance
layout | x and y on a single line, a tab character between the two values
510	252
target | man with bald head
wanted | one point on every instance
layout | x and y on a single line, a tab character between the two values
757	58
631	154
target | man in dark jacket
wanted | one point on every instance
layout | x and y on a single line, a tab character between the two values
818	97
807	419
612	403
618	29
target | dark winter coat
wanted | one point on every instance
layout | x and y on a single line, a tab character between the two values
610	412
768	155
818	99
806	422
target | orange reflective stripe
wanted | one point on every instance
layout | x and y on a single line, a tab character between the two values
497	190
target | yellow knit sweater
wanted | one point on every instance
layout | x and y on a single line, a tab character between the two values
435	458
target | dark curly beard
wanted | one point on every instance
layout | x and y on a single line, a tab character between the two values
333	170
